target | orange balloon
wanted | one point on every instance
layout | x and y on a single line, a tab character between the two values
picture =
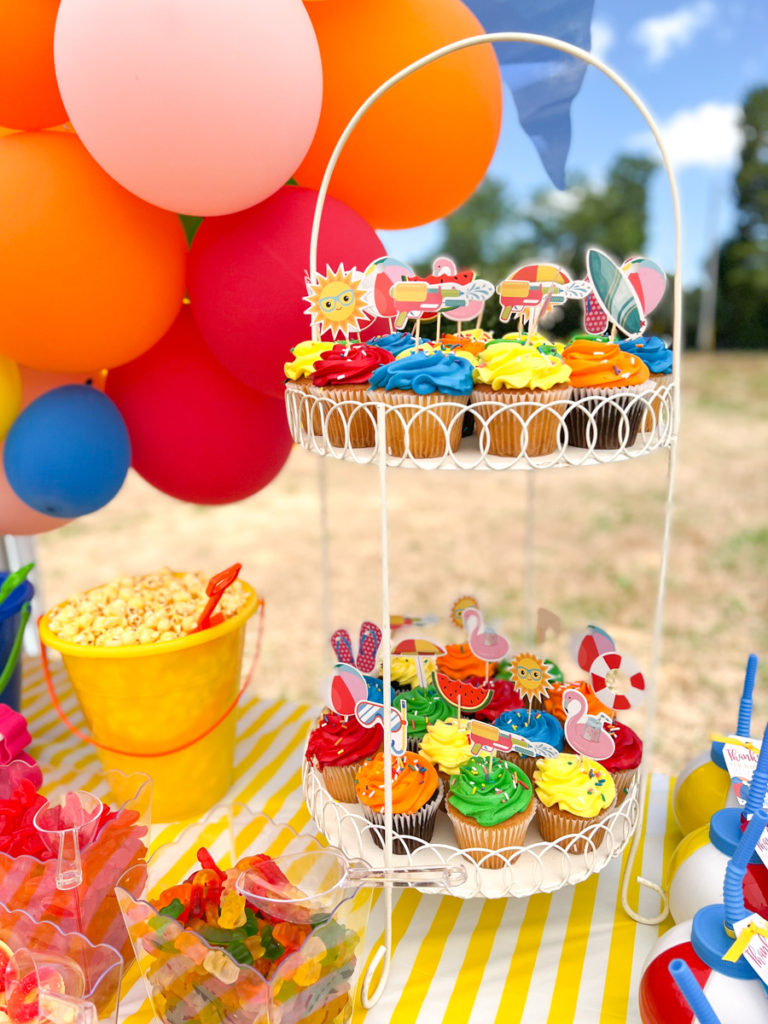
425	145
29	95
89	274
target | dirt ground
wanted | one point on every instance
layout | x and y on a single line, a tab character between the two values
598	535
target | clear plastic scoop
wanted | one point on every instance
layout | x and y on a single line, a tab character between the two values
43	988
65	827
304	887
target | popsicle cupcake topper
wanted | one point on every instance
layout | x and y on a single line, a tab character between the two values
338	302
529	291
456	294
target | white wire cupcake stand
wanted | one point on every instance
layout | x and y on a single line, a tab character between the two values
647	423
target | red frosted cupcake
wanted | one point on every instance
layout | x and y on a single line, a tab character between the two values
625	760
505	698
340	379
337	747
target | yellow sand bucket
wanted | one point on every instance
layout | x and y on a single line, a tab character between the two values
165	709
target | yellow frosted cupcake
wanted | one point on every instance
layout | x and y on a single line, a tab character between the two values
446	746
575	793
519	399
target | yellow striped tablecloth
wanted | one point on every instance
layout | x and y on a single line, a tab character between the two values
572	957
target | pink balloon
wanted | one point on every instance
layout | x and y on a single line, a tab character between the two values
199	106
16	517
197	433
246	279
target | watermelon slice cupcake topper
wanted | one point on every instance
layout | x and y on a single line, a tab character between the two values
462	694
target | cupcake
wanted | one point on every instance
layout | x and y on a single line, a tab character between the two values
535	726
553	702
337	746
424	707
658	358
340	379
625	760
376	690
416	796
607	383
395	343
532	390
425	394
446	746
404	672
459	662
575	793
490	805
298	373
505	698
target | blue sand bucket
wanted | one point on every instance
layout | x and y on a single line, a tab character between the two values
14	612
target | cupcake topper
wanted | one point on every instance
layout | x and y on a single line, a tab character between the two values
615	294
446	291
484	643
529	291
338	302
367	647
460	693
458	606
419	649
585	733
484	736
400	621
547	621
349	696
530	677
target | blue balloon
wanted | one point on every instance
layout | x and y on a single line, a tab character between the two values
68	452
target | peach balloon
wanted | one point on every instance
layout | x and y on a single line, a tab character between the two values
89	274
16	517
29	94
422	149
200	106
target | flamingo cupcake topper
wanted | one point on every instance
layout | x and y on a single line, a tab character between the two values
585	733
485	644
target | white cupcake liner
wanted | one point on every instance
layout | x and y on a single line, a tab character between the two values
428	425
531	424
475	840
559	827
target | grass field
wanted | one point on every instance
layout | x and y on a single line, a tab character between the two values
597	553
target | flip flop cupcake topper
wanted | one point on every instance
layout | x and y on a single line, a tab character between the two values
367	647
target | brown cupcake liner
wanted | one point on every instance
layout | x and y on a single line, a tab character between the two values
431	424
623	780
592	422
407	828
531	424
556	825
348	420
506	834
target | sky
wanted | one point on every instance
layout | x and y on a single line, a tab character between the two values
692	63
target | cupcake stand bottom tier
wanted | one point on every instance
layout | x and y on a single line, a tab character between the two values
538	867
566	957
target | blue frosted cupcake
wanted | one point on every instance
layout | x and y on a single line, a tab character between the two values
396	343
535	726
426	395
658	358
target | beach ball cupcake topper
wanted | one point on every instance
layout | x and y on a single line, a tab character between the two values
349	696
338	302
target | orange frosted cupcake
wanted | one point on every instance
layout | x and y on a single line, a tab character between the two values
416	796
608	385
459	662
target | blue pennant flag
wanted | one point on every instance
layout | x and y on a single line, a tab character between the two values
543	82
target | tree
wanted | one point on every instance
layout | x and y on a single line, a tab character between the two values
742	307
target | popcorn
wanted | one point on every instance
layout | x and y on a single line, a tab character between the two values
149	609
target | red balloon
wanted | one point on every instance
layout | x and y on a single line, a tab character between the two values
197	433
247	279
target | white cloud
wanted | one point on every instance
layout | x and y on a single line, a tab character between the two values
660	36
705	136
603	38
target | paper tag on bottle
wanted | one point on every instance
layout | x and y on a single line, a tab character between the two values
756	951
741	760
762	847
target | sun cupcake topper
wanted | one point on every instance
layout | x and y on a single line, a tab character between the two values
338	302
530	677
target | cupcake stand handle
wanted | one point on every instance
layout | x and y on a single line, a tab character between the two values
369	998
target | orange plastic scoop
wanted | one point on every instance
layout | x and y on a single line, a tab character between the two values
214	589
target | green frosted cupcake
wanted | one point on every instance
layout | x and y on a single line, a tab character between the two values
490	805
424	706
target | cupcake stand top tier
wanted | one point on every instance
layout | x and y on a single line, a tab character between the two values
539	866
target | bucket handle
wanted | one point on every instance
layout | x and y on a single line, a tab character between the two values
13	657
160	753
